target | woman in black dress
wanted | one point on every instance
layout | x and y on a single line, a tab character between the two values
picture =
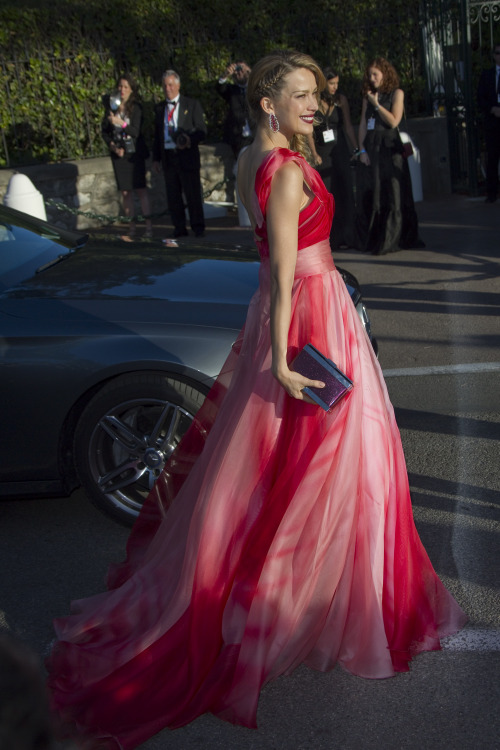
387	220
122	131
332	146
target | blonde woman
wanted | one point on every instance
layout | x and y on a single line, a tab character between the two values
279	533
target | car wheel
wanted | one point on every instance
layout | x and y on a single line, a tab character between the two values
126	434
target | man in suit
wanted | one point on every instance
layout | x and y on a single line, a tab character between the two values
488	98
179	128
236	127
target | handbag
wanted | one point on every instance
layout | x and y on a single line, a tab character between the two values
406	146
407	150
315	366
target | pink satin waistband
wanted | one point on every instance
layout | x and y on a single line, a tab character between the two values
314	259
311	260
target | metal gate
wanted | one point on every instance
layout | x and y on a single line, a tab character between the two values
458	37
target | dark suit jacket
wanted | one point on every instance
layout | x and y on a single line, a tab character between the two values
190	121
487	96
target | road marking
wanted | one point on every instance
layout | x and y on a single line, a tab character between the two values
473	367
471	639
455	517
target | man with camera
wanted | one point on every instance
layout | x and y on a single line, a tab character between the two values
236	126
179	128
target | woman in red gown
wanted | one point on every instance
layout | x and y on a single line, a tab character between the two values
279	533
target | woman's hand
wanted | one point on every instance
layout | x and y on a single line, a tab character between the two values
116	150
294	383
116	120
373	98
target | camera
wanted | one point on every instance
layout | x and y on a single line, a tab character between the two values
114	101
238	69
129	145
180	139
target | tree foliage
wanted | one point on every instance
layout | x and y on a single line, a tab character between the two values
60	57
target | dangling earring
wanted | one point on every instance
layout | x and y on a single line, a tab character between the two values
274	125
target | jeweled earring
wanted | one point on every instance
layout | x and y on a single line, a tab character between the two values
274	125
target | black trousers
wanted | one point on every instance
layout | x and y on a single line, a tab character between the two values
179	180
492	140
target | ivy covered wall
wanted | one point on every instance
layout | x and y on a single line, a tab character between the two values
60	57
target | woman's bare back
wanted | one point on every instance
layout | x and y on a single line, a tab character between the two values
248	166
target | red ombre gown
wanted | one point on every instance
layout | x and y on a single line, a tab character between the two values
278	534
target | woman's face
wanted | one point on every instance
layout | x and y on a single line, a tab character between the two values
375	77
297	103
124	89
332	85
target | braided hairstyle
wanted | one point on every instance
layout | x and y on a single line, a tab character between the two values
268	78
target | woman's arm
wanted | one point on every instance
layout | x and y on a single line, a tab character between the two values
347	121
312	145
394	115
363	156
134	129
282	214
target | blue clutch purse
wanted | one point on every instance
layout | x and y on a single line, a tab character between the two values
315	366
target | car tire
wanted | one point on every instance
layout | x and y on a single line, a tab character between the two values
124	436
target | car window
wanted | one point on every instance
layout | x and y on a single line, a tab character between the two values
23	252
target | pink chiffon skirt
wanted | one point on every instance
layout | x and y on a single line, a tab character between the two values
278	534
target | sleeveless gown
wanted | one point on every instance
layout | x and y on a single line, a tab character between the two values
278	534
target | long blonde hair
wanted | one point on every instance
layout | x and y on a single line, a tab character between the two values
267	79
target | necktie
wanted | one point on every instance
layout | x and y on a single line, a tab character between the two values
171	110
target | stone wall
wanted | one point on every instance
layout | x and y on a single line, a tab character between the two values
88	187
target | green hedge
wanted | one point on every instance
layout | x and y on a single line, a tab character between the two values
59	59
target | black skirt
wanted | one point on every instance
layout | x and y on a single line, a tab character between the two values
387	220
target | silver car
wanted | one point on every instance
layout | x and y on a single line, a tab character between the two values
108	350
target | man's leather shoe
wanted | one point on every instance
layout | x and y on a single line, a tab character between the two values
180	233
490	199
199	233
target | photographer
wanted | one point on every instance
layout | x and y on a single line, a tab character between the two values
237	131
179	128
121	129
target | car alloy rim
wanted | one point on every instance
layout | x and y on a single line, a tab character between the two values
130	445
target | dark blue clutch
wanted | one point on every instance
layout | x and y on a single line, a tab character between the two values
315	366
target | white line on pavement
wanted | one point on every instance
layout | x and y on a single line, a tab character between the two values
471	639
473	367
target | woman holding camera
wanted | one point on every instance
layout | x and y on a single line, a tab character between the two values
121	129
387	217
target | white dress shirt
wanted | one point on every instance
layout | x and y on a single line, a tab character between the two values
171	121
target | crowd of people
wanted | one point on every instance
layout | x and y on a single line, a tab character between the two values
375	211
